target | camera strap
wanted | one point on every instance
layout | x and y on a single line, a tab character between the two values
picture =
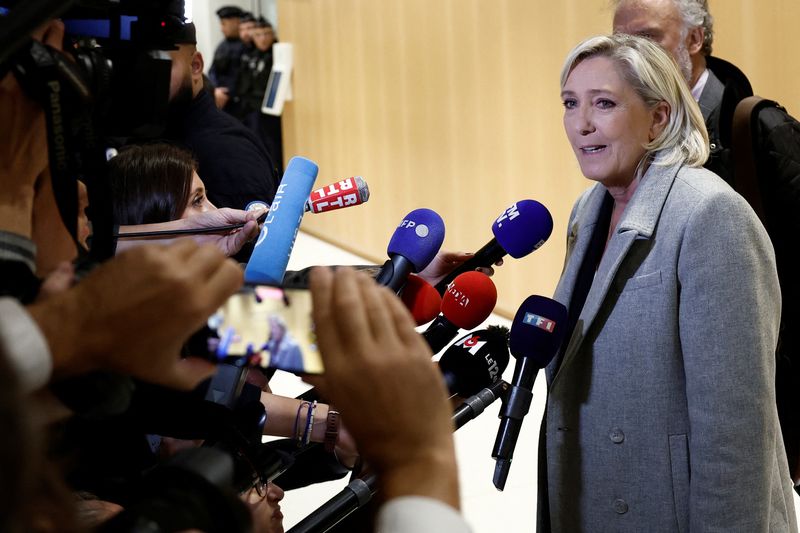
74	150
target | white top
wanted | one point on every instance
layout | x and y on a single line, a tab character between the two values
24	345
415	514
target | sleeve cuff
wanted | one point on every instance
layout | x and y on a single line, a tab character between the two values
15	247
419	515
24	345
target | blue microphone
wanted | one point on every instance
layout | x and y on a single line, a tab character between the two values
271	254
519	230
536	335
415	243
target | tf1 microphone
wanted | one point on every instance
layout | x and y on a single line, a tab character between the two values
519	230
536	335
421	299
468	301
271	254
344	193
475	361
414	244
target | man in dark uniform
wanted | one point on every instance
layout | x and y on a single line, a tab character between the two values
233	162
225	65
252	83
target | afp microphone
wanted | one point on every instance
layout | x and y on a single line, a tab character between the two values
468	301
344	193
414	244
536	335
271	254
421	299
475	361
518	231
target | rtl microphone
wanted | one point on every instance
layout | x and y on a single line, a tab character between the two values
271	254
421	299
536	335
519	230
344	193
414	244
475	361
468	301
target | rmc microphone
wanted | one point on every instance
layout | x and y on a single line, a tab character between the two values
469	300
271	254
475	361
536	335
344	193
421	299
519	230
414	244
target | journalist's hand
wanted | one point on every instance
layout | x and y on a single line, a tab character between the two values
229	243
132	314
378	372
445	262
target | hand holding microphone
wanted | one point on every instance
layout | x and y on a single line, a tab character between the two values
518	231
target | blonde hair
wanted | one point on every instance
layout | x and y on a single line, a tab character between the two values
656	78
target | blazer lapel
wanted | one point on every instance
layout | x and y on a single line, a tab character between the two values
638	221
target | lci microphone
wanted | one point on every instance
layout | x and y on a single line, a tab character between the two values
271	254
414	244
518	231
536	335
475	361
421	299
468	301
344	193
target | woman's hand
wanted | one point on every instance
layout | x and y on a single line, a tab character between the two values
229	243
445	262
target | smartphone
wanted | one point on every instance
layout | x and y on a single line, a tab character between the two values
267	326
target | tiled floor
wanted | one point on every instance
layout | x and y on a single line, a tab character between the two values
486	509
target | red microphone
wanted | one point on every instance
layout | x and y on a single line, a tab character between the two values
421	299
344	193
468	301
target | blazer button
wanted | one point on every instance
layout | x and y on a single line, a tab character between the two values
620	506
616	436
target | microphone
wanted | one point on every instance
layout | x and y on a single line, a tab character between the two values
344	193
414	244
536	335
421	299
468	301
519	230
475	361
271	254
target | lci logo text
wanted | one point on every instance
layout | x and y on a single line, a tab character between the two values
539	321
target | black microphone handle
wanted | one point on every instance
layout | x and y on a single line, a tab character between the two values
485	257
359	491
515	406
394	272
440	333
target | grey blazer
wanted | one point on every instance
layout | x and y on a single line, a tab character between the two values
661	415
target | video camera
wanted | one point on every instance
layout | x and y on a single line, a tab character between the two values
111	82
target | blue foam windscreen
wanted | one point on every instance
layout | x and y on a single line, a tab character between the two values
523	227
274	246
418	237
538	329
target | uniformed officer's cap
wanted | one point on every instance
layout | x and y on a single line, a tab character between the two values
246	17
226	12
